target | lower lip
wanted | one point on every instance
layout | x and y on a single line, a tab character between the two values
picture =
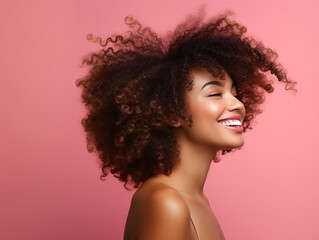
235	129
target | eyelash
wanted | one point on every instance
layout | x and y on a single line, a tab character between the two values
239	97
219	94
215	94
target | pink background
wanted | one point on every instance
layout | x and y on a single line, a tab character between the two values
50	187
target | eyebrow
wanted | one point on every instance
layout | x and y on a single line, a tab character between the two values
216	83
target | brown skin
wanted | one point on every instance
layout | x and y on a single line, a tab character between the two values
138	86
162	207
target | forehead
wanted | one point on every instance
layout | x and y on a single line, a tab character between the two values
202	78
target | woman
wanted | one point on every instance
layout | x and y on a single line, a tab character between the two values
161	108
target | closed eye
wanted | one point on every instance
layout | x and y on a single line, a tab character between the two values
238	97
215	94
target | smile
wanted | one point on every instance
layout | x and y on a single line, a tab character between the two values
231	123
234	125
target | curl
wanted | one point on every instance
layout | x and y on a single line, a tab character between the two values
135	89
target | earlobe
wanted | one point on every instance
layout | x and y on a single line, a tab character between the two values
175	123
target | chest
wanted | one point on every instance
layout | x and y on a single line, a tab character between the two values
205	221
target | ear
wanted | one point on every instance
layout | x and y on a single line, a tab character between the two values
175	123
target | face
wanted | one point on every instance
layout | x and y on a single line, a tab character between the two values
216	112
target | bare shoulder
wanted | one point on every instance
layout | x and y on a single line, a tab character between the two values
159	212
162	197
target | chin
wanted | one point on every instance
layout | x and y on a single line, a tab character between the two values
233	146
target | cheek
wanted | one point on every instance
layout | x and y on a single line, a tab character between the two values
214	110
206	111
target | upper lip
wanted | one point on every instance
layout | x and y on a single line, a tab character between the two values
235	117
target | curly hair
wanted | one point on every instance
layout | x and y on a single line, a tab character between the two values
135	89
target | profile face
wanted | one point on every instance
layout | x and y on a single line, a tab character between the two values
216	112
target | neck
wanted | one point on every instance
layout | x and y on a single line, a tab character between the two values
189	175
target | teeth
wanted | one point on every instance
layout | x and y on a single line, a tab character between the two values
231	123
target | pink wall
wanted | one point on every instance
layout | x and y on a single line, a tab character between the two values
50	187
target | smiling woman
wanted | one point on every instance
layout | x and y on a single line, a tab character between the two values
215	110
159	110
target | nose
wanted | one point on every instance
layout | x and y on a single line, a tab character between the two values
235	104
